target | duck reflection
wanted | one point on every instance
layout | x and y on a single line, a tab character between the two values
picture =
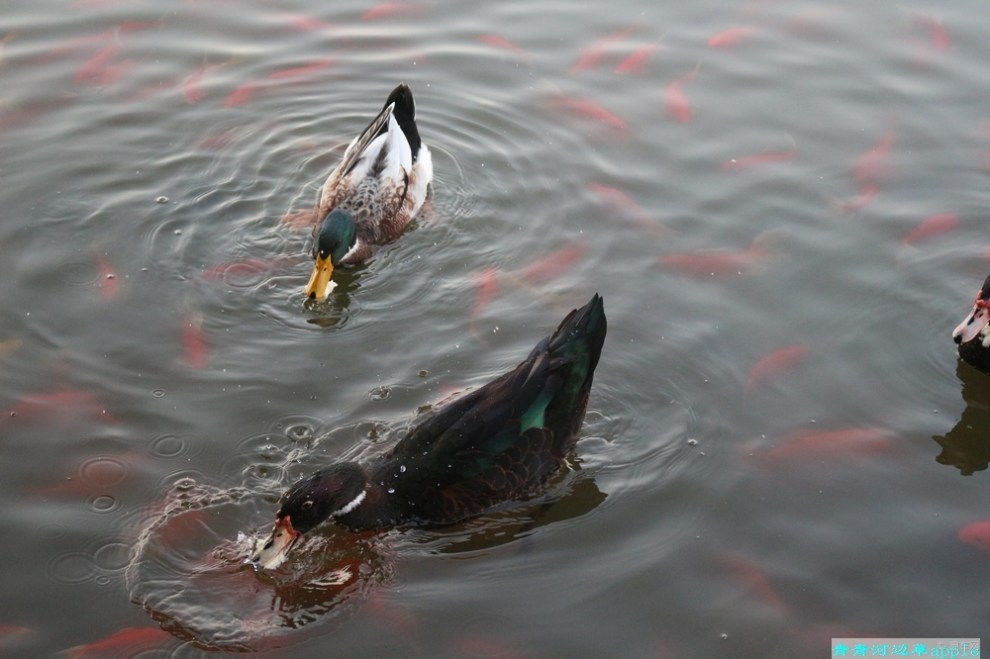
967	445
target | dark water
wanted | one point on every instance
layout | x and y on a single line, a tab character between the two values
162	383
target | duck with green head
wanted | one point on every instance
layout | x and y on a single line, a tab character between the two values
376	190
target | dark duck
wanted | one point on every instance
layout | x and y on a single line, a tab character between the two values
973	333
496	444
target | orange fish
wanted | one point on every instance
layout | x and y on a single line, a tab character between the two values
867	194
498	41
751	577
127	642
720	262
194	340
390	9
302	71
676	101
191	85
872	165
486	289
775	363
844	444
234	269
588	109
635	62
939	38
109	284
94	477
94	69
931	227
241	95
592	54
620	201
552	265
400	622
730	37
757	159
977	534
305	23
59	402
482	648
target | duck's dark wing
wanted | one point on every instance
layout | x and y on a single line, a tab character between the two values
503	440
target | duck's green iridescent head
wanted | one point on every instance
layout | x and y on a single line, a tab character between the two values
335	237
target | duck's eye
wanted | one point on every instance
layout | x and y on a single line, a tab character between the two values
307	504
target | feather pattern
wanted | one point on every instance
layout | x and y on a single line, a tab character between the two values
380	180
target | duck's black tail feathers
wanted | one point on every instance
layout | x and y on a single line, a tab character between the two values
574	349
405	115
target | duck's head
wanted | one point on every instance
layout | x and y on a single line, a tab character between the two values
977	322
331	492
334	237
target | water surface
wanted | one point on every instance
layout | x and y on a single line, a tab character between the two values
780	446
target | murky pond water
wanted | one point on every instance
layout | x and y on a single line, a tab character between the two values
783	205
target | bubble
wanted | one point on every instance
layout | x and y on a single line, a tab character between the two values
169	446
113	556
300	432
158	393
73	568
103	504
104	471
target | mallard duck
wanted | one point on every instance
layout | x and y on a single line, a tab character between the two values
370	197
973	333
498	443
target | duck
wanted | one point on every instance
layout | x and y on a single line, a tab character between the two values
972	335
378	187
497	444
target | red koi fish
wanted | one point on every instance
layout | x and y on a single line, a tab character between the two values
931	227
398	621
588	109
710	262
93	70
194	340
757	159
843	444
191	89
676	101
636	61
753	579
627	208
97	476
482	648
238	269
304	23
390	10
554	264
720	262
502	43
731	37
774	364
872	166
486	289
593	53
241	95
867	194
977	534
302	71
939	38
59	402
127	642
109	284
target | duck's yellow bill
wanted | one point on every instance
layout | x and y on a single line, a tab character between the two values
319	286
